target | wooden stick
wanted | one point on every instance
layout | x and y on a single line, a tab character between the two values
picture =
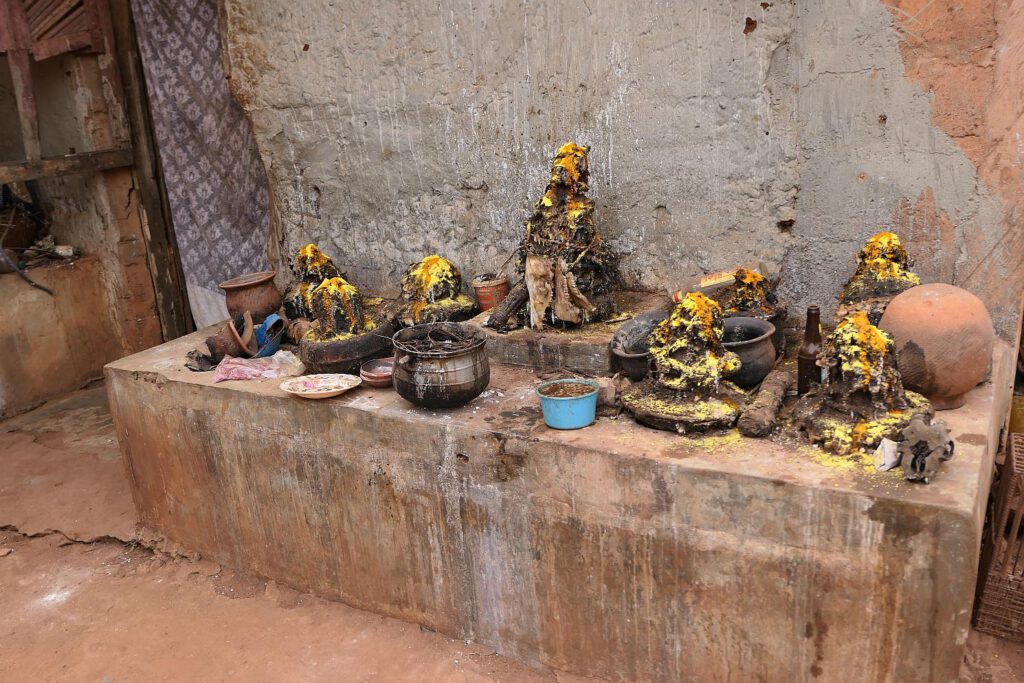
759	418
509	306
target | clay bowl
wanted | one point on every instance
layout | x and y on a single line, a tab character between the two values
751	340
629	344
253	292
377	373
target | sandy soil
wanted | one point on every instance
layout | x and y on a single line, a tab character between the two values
83	600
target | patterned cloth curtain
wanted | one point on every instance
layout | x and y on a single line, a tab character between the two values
216	183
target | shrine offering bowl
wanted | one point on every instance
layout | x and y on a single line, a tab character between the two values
253	292
751	340
568	403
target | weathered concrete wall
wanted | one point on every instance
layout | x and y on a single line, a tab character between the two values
52	345
99	212
875	149
616	551
393	129
405	128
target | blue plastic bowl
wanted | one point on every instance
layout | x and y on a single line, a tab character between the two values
569	413
271	347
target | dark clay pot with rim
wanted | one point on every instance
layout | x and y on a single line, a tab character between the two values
629	344
751	340
346	355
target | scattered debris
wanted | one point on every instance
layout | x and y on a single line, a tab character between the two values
923	446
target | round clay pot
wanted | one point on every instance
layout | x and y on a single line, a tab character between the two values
490	292
253	292
944	339
751	340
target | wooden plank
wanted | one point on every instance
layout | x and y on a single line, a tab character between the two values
165	266
86	162
58	45
21	75
34	10
44	23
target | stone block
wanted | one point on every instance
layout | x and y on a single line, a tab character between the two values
583	349
615	551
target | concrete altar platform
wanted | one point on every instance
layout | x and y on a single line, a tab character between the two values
581	350
616	551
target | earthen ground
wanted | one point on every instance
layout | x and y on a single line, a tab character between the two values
86	599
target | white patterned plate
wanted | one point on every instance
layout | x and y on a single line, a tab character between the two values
320	386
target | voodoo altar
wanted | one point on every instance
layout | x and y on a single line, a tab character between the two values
685	552
614	550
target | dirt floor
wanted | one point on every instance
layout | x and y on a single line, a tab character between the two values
83	599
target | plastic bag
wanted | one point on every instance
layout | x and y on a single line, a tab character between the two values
281	364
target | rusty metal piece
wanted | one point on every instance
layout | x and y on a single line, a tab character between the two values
923	447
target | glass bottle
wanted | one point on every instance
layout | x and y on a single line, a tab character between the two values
808	372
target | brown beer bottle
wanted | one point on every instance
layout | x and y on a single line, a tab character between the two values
808	372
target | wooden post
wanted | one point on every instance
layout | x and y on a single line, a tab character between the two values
16	40
168	278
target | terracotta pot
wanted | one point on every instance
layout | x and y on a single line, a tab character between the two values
253	292
944	339
490	293
224	343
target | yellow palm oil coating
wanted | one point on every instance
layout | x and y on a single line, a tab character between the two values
884	258
751	293
687	346
566	189
312	261
431	281
842	437
865	354
329	294
568	158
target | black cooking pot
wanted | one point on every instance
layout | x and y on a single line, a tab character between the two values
440	365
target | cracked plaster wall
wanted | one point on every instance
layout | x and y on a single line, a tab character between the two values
390	130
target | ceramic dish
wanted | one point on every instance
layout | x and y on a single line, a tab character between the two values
377	373
320	386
